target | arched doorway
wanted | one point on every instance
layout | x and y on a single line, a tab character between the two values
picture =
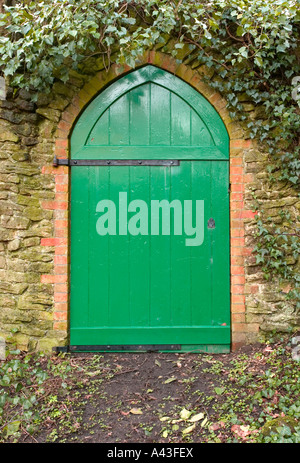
150	219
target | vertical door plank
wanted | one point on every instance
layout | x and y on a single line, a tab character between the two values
119	122
139	115
220	243
80	247
181	122
160	281
99	185
139	256
201	265
180	264
119	314
160	116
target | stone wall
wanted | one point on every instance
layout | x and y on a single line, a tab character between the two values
34	202
26	145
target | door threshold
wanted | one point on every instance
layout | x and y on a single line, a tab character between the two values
183	348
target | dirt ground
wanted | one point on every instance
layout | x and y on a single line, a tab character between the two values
245	396
165	397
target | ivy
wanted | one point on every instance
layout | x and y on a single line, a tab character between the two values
252	47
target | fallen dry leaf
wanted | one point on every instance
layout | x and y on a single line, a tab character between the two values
136	411
189	429
241	431
185	414
197	417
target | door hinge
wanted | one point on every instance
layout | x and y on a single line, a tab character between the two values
115	162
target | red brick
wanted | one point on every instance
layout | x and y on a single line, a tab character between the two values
238	337
61	250
61	143
238	308
61	287
238	299
237	289
246	144
61	269
237	187
62	214
54	278
237	224
60	260
239	327
236	161
237	260
237	251
61	297
60	326
52	205
59	170
237	232
61	179
236	179
61	197
62	188
237	280
249	214
61	307
237	270
61	223
247	251
236	197
237	206
237	241
68	116
60	153
236	214
238	318
60	316
236	170
62	133
63	125
62	232
53	241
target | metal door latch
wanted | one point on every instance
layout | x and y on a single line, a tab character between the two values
211	223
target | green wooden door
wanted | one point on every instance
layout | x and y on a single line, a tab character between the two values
150	226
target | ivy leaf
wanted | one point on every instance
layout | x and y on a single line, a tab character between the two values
219	390
240	31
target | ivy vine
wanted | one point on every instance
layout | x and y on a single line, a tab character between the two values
253	48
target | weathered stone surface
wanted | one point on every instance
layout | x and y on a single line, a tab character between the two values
16	288
17	223
273	426
14	245
59	103
48	113
47	345
24	105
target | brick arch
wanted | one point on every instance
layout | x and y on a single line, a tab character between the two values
239	144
